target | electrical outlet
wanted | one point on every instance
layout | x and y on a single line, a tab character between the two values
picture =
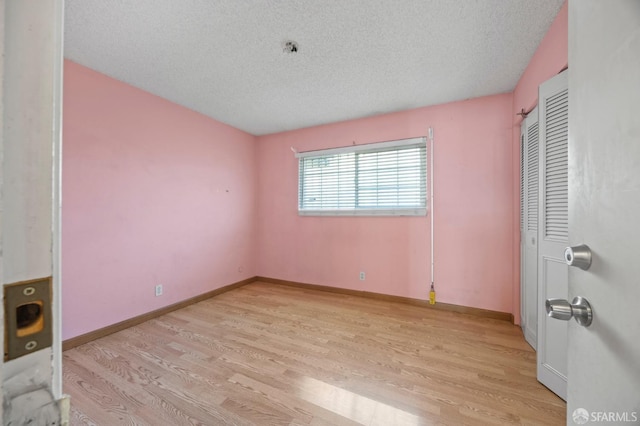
159	290
362	276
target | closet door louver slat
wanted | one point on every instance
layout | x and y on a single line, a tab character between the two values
522	179
532	177
556	185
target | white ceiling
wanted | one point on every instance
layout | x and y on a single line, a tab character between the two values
356	58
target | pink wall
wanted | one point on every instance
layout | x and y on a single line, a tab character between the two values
153	194
473	210
549	59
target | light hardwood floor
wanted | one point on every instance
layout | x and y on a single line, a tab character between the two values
268	354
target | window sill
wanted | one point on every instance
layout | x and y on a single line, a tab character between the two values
365	212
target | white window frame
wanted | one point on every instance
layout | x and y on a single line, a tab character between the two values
418	209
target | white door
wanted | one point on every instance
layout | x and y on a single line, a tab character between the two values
529	228
31	99
553	231
604	207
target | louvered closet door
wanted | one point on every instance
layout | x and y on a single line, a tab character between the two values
529	224
553	273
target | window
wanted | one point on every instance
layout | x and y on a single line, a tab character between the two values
386	178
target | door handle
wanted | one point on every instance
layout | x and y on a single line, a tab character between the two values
579	308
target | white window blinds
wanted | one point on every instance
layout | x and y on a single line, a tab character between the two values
387	178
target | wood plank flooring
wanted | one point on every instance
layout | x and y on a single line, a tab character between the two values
266	354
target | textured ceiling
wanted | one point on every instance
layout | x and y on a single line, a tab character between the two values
356	58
